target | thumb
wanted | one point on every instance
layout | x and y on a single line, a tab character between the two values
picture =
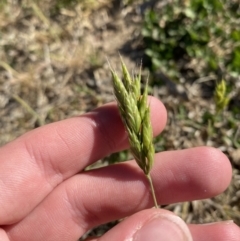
165	227
150	225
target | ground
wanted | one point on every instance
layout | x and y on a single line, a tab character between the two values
53	65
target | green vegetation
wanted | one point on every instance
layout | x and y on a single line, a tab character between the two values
190	40
200	31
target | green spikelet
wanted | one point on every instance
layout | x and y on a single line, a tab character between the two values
127	81
220	96
135	114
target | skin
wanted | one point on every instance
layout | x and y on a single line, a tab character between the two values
47	195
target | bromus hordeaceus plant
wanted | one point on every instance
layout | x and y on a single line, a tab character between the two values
220	96
135	114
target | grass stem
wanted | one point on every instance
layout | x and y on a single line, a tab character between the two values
152	190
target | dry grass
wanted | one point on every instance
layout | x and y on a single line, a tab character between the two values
43	64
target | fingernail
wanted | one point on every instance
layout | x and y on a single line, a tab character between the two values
226	222
164	228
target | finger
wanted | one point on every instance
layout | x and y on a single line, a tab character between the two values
3	235
99	196
221	231
32	165
151	224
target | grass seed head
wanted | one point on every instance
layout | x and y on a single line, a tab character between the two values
220	96
135	113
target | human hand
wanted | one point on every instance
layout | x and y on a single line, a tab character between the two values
47	195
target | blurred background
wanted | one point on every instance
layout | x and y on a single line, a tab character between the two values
53	66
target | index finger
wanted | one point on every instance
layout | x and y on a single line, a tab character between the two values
34	164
